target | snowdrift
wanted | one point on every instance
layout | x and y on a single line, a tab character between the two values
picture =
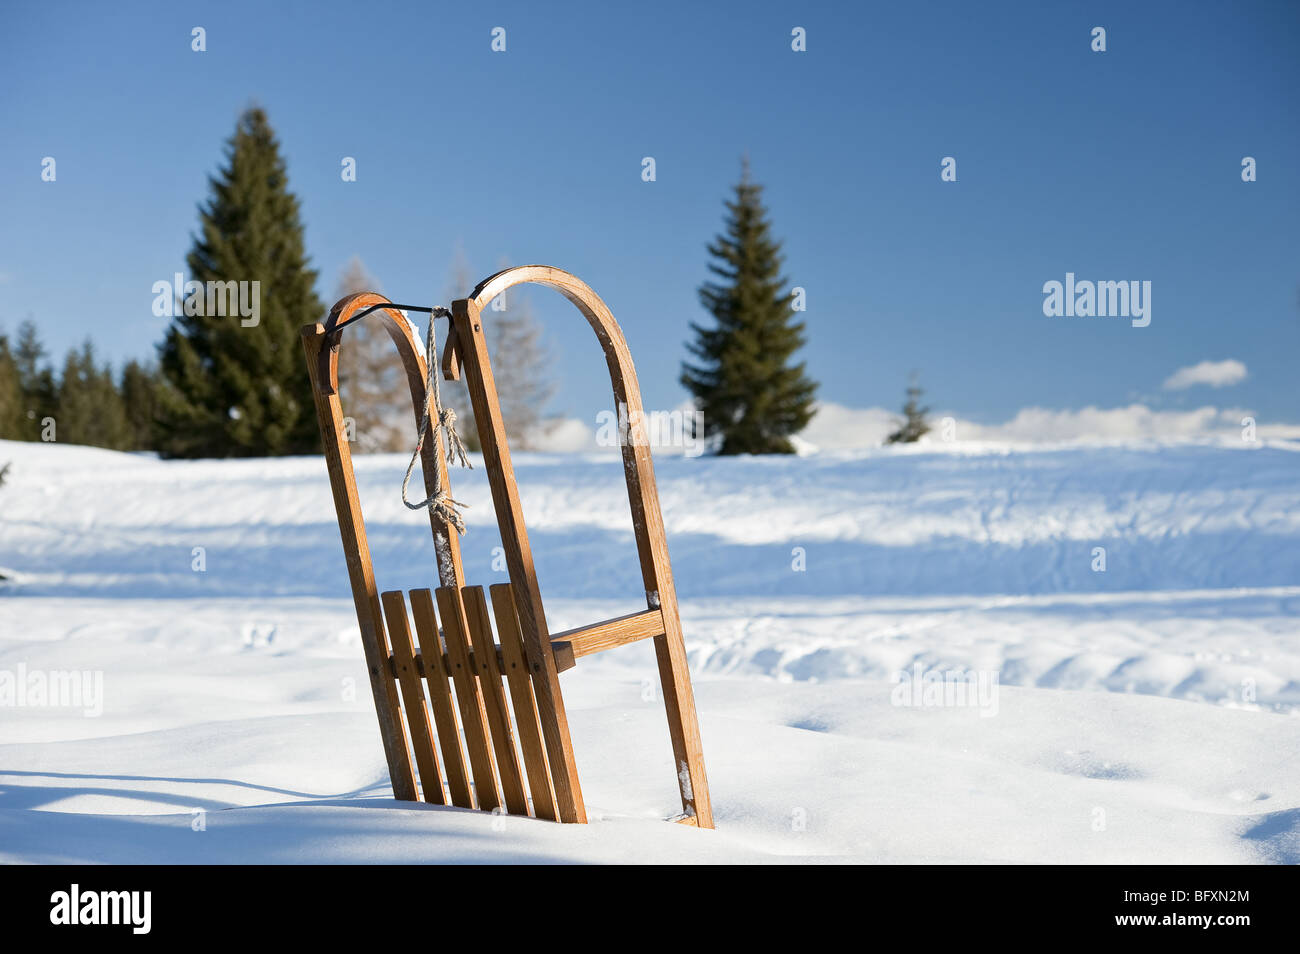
1140	710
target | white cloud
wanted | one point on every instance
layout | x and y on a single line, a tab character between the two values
669	432
1035	425
843	428
1217	374
836	427
839	428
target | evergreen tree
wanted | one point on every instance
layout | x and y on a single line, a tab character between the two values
13	413
75	406
233	390
139	390
4	476
89	406
751	396
35	380
914	425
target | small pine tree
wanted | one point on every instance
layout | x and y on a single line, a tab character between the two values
4	475
75	405
12	411
914	425
89	406
35	380
750	394
231	390
139	390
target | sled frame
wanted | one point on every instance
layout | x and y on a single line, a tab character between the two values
463	660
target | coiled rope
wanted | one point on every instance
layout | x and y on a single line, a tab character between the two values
439	502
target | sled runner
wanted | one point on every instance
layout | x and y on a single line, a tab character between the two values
444	692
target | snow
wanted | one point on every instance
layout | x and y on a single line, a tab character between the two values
836	427
1144	713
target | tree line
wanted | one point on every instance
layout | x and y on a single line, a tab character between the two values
84	402
226	387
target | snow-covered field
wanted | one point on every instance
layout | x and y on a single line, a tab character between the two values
1146	712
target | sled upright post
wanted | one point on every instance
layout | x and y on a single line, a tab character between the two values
445	694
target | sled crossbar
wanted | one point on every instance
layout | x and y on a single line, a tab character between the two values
572	644
471	714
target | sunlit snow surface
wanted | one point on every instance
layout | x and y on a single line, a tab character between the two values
1145	713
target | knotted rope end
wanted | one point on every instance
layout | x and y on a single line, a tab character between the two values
440	503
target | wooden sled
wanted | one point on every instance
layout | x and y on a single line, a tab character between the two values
473	681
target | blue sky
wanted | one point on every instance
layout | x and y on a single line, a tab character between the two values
1116	165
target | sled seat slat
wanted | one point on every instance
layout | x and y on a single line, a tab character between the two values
494	697
417	714
473	716
515	668
444	708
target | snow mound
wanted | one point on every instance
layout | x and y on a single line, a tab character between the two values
1136	604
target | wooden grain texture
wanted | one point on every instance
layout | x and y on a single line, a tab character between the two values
472	351
562	654
441	700
321	343
410	352
647	522
612	633
466	355
473	718
516	669
417	714
494	699
356	553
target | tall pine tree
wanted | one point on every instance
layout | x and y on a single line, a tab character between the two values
751	395
232	390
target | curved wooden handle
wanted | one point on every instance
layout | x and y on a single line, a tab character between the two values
395	323
647	519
